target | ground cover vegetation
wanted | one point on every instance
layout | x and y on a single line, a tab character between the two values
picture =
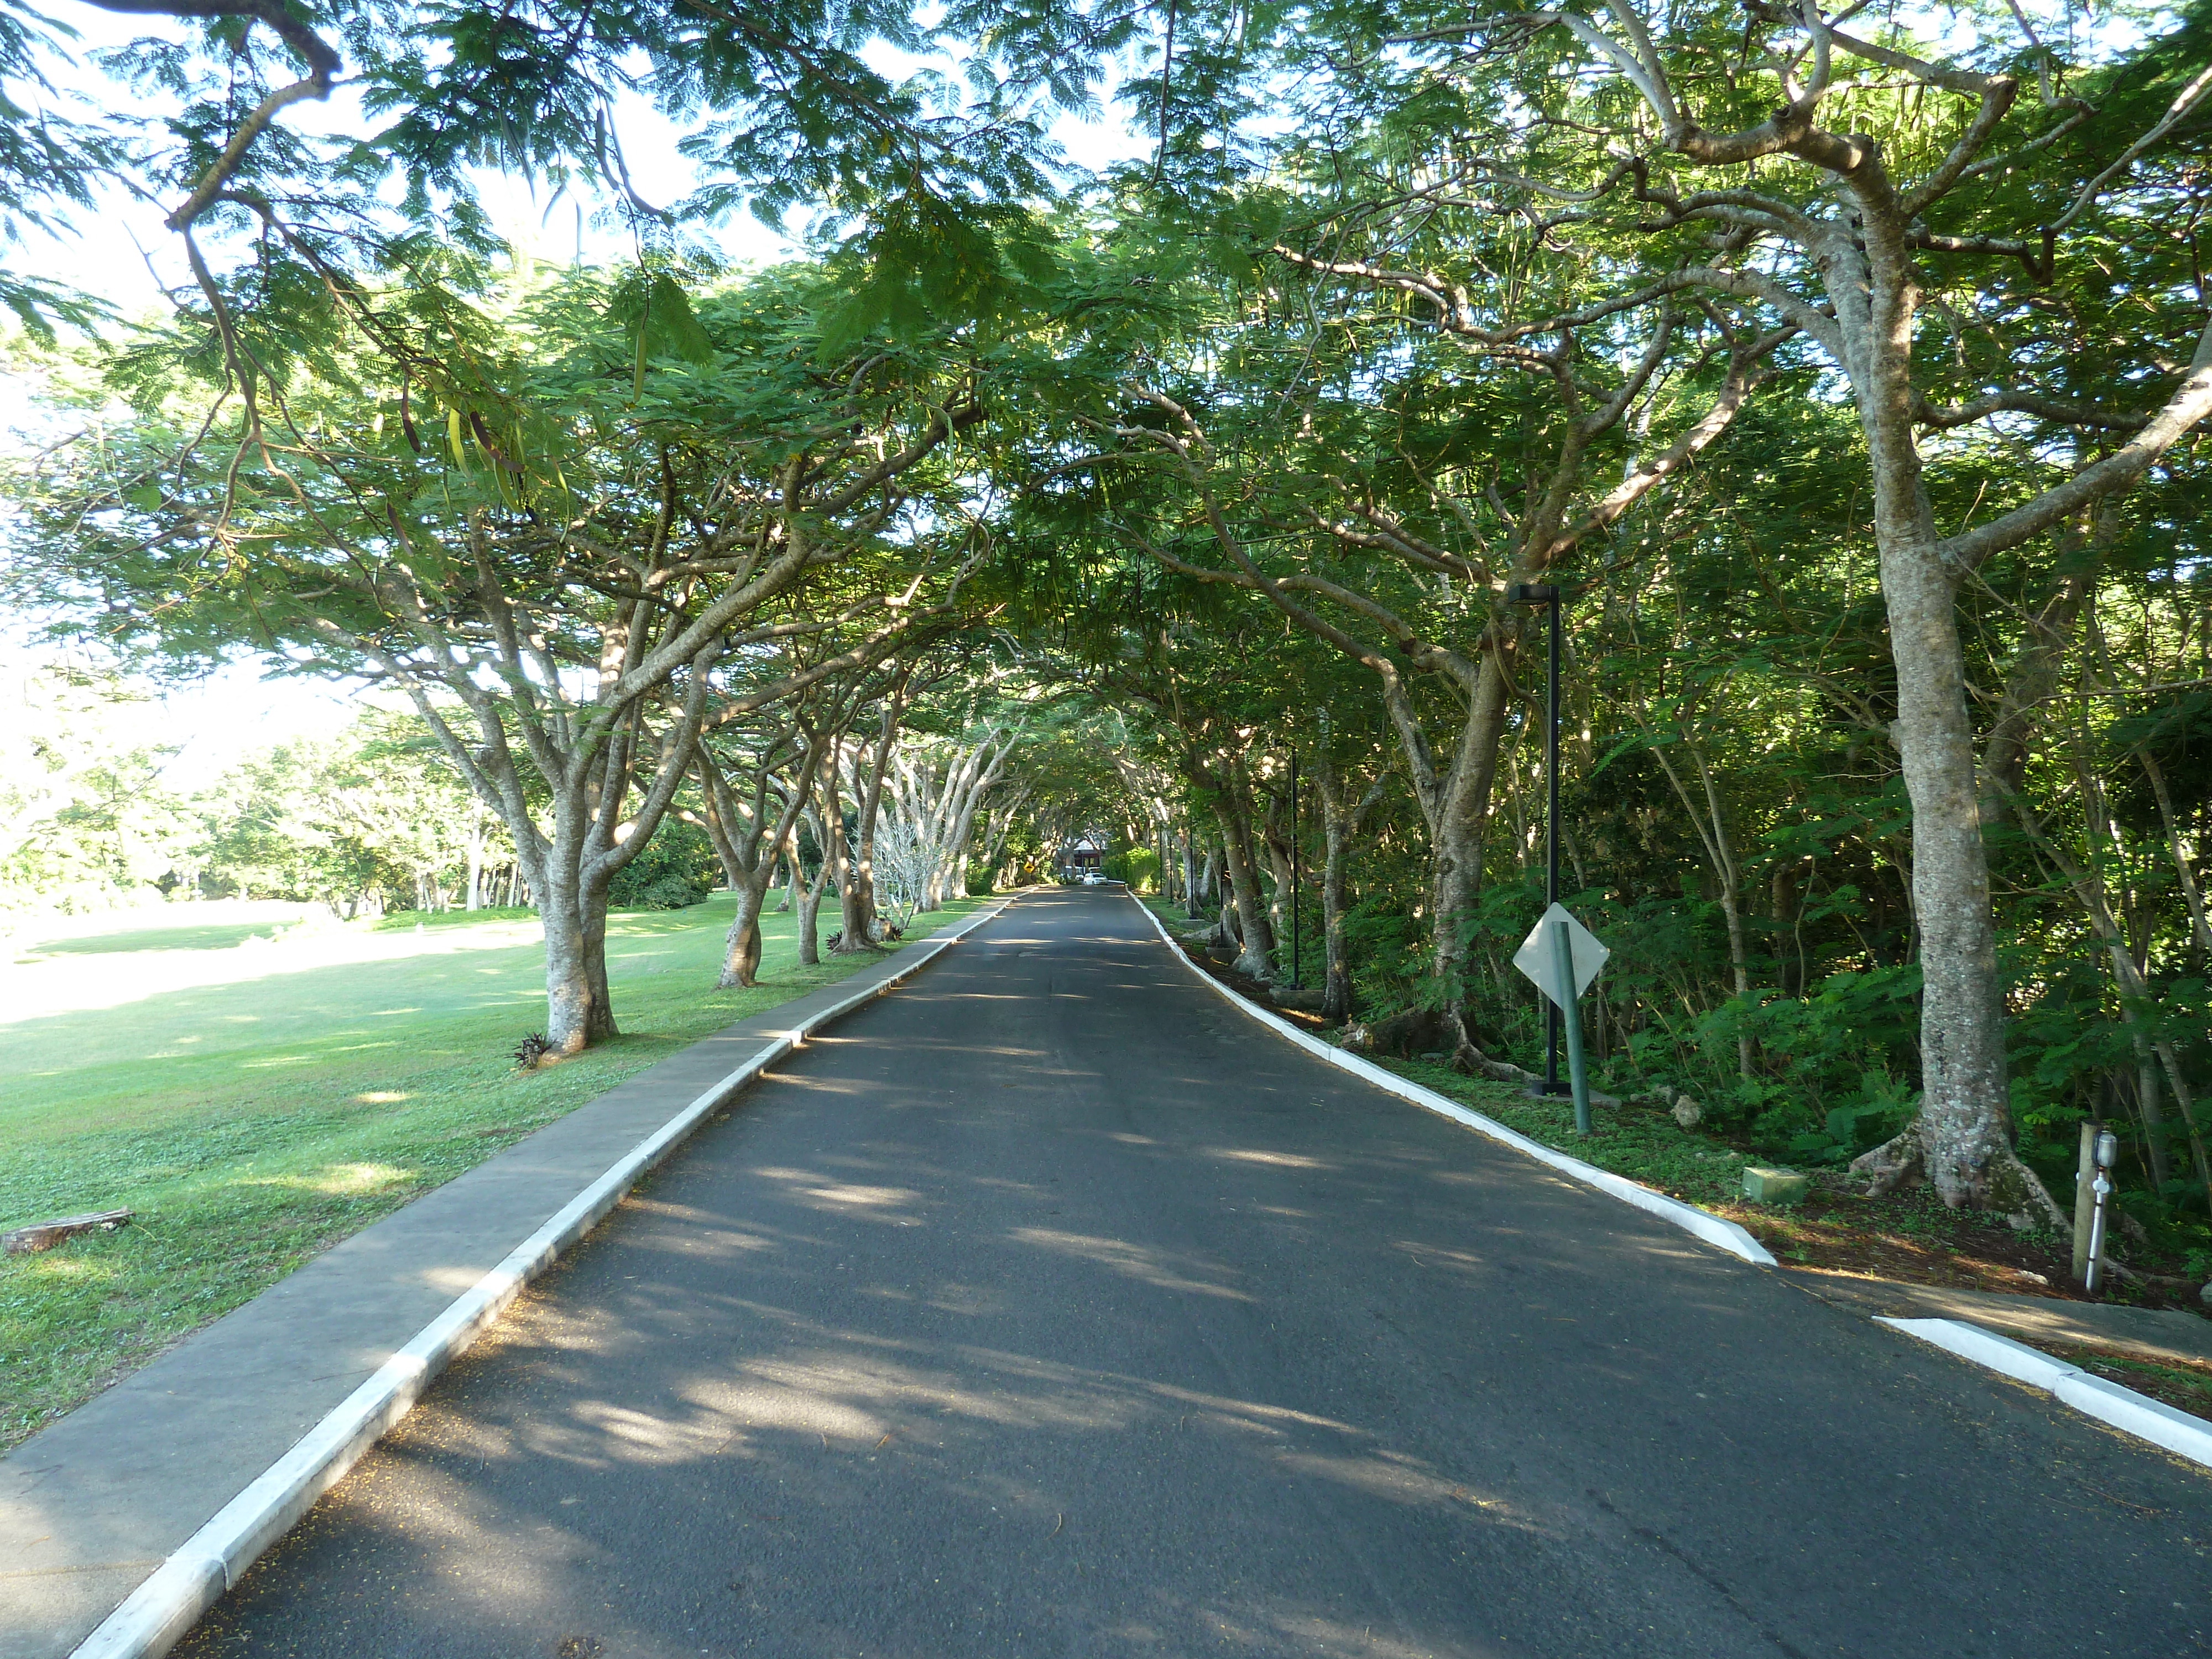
1844	374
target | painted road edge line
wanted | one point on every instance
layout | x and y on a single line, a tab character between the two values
173	1598
1703	1223
2122	1408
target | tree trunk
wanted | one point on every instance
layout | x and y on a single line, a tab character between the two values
1278	849
852	914
1336	970
861	926
1256	957
1226	934
476	852
1965	1129
741	954
1455	807
857	885
810	939
810	901
750	847
578	1009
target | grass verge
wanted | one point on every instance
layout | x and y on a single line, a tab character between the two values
1911	1238
257	1093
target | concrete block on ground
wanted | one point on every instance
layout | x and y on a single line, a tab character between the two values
1766	1185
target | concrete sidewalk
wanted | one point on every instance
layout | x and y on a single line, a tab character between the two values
92	1505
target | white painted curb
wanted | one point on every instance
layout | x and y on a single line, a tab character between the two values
156	1614
1712	1228
2137	1414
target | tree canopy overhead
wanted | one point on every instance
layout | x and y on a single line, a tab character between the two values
1844	372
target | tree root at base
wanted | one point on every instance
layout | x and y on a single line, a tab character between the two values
2005	1186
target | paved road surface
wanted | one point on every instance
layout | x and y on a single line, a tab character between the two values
1050	1307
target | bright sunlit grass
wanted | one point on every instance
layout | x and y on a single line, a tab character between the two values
257	1099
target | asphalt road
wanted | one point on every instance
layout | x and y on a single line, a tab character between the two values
1048	1306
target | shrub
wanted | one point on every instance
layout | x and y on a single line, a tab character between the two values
1140	866
676	868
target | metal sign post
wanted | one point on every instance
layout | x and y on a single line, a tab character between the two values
1562	956
1571	1015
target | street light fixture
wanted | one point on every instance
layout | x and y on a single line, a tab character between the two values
1547	594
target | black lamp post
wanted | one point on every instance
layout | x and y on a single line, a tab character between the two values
1547	594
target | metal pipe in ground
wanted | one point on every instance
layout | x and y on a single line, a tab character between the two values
2085	1200
2108	1153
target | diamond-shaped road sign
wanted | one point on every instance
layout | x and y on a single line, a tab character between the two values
1537	956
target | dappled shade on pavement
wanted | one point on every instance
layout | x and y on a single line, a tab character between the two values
1048	1306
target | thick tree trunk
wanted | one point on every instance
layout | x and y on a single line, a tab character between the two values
569	873
1279	865
578	1009
595	962
1965	1130
569	1014
1455	883
741	951
852	911
857	888
1256	957
836	869
861	925
950	876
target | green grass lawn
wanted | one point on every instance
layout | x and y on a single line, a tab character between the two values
256	1093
